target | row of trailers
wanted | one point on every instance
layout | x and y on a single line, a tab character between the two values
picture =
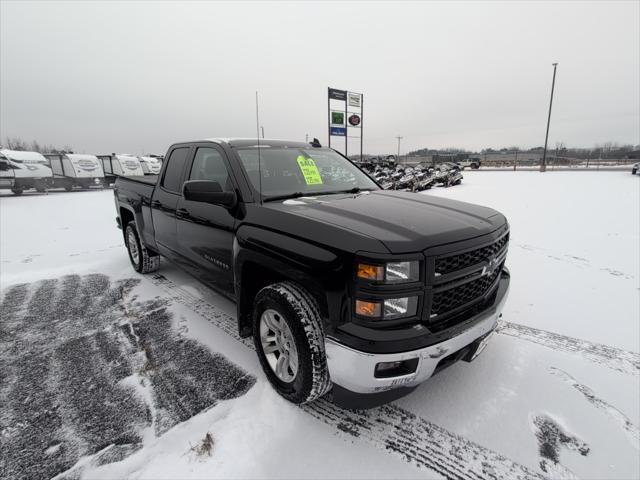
20	171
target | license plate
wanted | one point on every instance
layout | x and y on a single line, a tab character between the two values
483	344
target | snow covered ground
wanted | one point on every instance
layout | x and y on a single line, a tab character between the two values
109	374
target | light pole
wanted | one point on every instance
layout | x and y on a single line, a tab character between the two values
543	165
398	158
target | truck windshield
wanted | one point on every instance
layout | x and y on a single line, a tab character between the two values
296	172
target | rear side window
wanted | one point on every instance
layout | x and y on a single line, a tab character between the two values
208	164
173	172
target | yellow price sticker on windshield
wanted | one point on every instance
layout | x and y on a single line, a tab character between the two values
309	171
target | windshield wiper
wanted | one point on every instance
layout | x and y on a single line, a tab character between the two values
353	190
284	197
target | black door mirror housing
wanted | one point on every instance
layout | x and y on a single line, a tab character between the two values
208	191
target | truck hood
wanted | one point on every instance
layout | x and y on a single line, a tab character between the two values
404	222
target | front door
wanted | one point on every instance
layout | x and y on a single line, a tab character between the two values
205	231
165	201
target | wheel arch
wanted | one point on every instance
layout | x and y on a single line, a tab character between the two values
255	271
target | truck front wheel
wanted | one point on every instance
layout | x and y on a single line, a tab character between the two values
289	339
142	259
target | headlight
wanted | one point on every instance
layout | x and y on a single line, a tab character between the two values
393	272
388	309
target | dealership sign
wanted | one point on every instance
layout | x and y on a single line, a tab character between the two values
344	116
337	118
337	94
354	99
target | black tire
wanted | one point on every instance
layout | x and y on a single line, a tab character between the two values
301	313
68	187
142	259
475	166
17	191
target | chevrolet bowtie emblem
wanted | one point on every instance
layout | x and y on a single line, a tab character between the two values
488	269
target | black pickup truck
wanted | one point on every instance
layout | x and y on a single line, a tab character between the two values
345	287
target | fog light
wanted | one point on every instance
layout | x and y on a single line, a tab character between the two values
395	369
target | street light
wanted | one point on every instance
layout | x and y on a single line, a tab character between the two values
398	157
543	165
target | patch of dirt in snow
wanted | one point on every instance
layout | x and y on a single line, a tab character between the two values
551	439
67	347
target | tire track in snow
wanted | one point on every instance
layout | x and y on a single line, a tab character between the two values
630	429
388	427
611	357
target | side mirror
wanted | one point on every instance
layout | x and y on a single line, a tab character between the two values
207	191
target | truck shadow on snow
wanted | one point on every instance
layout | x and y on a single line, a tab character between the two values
86	370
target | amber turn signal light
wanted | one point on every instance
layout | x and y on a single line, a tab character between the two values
370	272
368	309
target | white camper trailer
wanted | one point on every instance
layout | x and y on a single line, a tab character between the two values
150	165
120	165
75	170
20	171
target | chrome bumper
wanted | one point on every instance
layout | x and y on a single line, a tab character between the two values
354	370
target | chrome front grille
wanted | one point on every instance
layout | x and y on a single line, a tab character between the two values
452	298
462	281
457	262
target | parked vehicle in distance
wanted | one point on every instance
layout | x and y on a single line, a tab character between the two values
473	163
116	165
150	165
343	286
75	170
635	168
21	171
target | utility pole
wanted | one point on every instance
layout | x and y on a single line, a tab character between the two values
543	165
398	158
306	138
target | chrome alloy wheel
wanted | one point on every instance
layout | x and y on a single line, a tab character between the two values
133	246
278	345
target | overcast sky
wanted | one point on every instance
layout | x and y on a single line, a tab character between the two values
126	77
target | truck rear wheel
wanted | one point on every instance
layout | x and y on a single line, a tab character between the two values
142	259
289	339
17	191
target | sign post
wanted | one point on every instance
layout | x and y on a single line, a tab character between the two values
342	121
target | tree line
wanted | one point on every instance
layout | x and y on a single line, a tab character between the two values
16	143
600	150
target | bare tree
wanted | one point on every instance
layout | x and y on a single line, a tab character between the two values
16	143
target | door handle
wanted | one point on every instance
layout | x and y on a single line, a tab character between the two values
156	204
182	212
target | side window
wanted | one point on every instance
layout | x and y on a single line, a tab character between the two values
173	172
208	164
4	165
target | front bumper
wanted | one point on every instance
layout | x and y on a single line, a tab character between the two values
353	370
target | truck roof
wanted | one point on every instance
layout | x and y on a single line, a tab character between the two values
253	142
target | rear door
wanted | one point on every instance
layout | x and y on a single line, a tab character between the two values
205	231
165	198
